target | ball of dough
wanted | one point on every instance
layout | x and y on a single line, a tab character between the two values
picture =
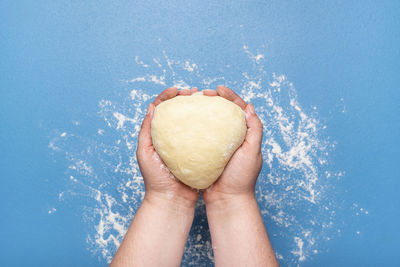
196	136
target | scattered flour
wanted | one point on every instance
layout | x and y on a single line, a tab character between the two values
294	189
52	210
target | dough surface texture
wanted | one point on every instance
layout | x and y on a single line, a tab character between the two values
196	136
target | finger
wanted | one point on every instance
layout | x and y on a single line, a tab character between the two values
209	92
144	139
227	93
165	95
194	90
254	128
184	92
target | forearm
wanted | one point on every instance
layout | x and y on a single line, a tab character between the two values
238	234
157	235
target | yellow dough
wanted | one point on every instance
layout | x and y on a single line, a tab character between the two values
196	136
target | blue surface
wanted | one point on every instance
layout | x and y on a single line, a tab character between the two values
59	60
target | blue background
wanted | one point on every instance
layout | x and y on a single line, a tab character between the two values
59	58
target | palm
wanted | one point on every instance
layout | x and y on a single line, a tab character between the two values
159	178
233	178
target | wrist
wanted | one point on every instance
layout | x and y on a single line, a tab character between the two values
224	203
170	201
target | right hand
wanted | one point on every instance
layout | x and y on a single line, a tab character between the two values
240	174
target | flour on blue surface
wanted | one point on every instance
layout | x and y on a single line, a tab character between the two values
294	191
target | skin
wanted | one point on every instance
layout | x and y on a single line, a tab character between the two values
158	233
237	230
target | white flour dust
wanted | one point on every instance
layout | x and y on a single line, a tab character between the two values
294	190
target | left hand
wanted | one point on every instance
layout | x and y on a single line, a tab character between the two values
159	182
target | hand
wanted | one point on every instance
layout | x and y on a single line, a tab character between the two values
159	182
162	222
240	174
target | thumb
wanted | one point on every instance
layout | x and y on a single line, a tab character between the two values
144	139
254	128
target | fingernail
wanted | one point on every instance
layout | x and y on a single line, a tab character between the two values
247	115
251	109
150	110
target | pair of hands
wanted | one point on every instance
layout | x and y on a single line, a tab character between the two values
163	221
239	176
